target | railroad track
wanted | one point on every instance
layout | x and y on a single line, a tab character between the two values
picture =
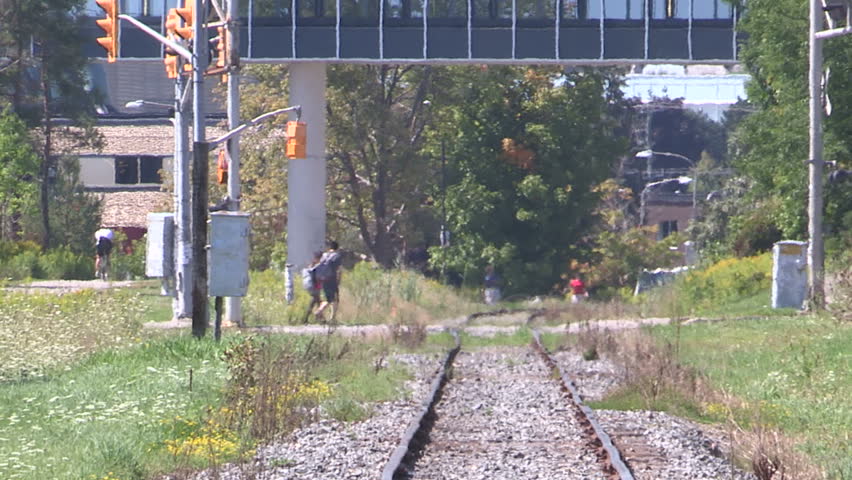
475	423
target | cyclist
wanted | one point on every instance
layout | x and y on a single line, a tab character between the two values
103	247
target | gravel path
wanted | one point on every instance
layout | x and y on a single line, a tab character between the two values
503	417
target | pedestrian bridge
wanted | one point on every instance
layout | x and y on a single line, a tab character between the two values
590	32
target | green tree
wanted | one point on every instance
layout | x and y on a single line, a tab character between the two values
526	150
770	146
44	78
378	175
18	166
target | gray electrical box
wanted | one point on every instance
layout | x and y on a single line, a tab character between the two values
159	249
228	255
789	274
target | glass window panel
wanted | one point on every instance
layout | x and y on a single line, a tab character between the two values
448	8
723	9
681	8
311	8
704	9
615	8
127	169
492	9
267	8
155	7
416	8
658	8
571	8
359	8
593	9
636	9
534	8
149	169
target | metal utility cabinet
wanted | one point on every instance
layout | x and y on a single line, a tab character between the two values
228	254
159	246
789	274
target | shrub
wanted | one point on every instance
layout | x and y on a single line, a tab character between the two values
728	280
62	263
127	265
21	266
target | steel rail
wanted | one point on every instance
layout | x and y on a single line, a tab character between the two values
614	463
408	443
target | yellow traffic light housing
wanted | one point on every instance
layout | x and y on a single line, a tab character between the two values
186	13
222	47
109	25
171	63
297	133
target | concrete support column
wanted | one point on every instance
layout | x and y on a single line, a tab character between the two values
306	178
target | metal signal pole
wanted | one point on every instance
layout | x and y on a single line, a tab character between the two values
200	169
816	260
233	305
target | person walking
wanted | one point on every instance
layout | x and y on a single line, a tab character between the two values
103	247
312	285
492	283
328	272
578	290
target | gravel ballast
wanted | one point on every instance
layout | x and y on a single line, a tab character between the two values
502	417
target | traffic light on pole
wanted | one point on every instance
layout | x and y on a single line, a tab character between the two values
109	25
186	13
222	47
297	133
171	59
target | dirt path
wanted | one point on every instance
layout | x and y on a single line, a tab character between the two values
66	286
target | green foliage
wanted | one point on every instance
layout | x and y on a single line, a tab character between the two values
725	282
619	257
378	172
62	263
127	261
771	145
263	166
524	157
18	163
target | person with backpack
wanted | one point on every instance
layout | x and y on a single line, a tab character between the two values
312	285
328	272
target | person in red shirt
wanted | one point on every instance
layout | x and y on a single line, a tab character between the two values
578	290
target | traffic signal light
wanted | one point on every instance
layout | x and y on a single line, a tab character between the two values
222	47
297	133
222	168
186	13
109	25
171	62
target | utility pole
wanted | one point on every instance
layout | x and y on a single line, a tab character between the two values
233	305
200	169
183	228
816	260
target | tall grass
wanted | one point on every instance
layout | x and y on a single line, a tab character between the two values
368	295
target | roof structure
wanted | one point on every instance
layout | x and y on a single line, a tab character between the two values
123	209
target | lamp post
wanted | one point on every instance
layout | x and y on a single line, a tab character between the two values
649	155
182	305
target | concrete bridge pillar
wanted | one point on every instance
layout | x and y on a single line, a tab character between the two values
306	177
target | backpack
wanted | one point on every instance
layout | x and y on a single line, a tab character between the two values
323	271
308	279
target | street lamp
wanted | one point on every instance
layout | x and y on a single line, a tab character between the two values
141	103
183	268
444	234
649	154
